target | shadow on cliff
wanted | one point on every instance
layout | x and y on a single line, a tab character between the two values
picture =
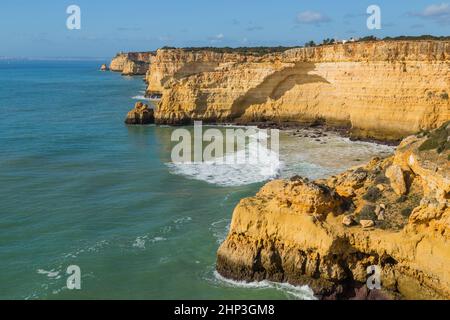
191	68
275	86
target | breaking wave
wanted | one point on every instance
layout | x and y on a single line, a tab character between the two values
297	292
226	171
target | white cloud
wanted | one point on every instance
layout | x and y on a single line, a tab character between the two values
439	13
437	10
217	38
312	17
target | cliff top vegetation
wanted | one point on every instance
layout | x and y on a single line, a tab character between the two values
254	51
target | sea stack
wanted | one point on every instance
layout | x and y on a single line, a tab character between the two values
141	114
104	67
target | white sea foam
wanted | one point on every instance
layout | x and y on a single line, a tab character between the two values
157	239
318	158
141	97
298	292
141	241
182	220
220	229
53	274
226	171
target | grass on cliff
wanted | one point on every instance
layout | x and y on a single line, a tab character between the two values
373	194
367	213
438	139
254	51
412	38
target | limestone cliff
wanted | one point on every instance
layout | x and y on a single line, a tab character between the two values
317	233
171	65
132	63
383	89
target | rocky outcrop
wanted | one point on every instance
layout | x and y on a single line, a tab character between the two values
171	65
104	67
132	63
383	89
141	114
135	68
327	233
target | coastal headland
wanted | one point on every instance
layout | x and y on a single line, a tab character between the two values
378	89
393	213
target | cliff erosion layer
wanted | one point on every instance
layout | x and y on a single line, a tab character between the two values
132	63
380	89
393	213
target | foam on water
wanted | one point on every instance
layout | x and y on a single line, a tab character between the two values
220	229
141	241
310	157
225	171
141	97
297	292
51	274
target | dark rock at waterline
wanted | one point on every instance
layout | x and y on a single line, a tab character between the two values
141	114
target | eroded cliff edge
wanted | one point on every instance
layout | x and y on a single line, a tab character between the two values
382	89
393	213
132	63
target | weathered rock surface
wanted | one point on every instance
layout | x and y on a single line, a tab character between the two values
293	231
141	114
385	90
132	63
135	68
397	178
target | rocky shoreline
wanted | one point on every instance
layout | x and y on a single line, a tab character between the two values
317	232
380	91
392	212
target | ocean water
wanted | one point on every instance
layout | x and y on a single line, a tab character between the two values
79	187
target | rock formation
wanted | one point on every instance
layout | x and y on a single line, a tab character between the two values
382	89
141	114
104	67
170	65
135	68
132	63
305	232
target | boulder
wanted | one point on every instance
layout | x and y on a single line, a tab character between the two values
367	223
397	178
348	221
141	114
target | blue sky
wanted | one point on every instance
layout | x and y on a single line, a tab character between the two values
38	28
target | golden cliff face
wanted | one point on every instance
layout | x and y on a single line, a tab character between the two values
132	63
316	233
171	65
380	89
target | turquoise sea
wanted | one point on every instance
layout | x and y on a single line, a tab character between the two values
79	187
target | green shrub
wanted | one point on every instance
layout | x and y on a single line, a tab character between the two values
437	139
367	213
373	194
406	212
381	178
422	37
254	51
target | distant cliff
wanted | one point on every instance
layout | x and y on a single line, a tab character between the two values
382	89
132	63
